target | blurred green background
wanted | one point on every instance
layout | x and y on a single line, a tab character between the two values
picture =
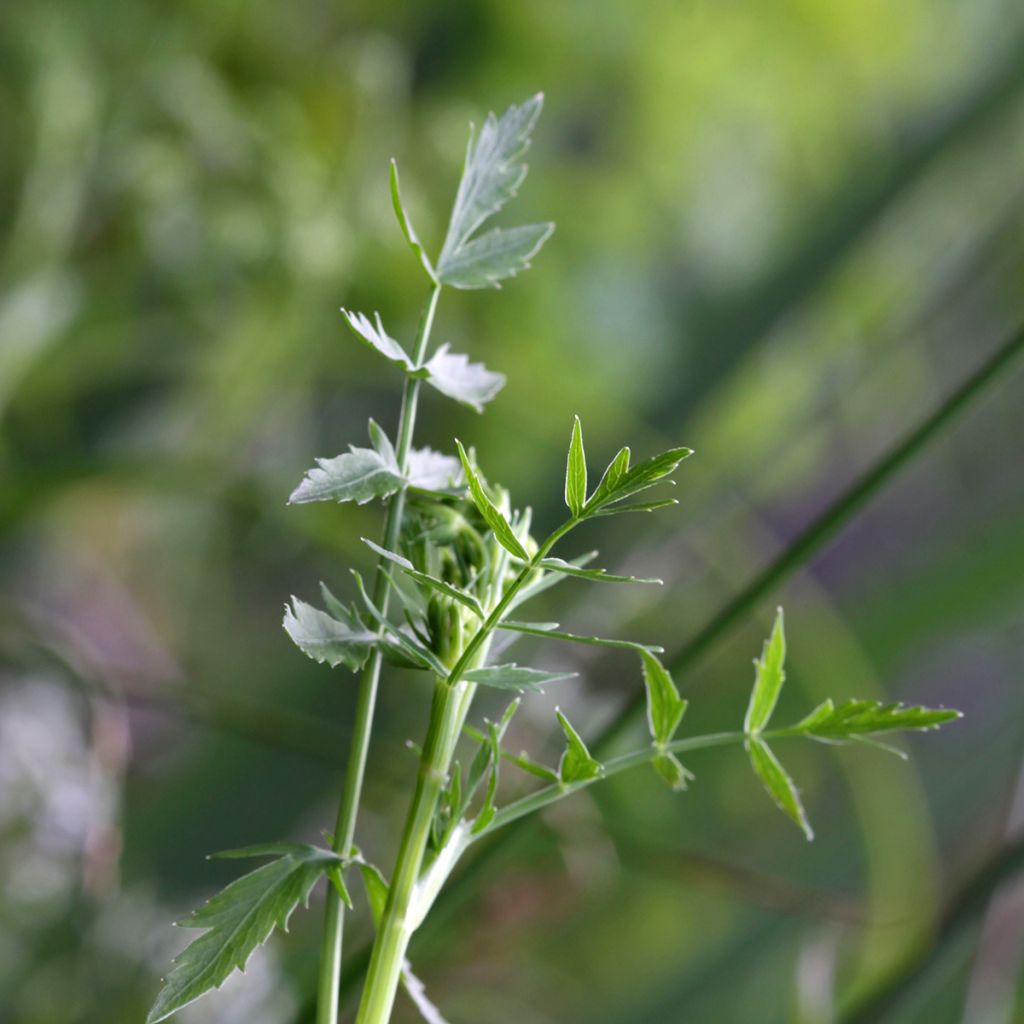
787	230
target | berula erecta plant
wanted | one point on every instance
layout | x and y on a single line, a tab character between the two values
456	563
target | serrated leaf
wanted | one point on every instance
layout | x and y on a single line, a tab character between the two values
494	256
339	639
427	580
665	708
576	471
454	375
374	335
237	920
576	764
358	475
492	173
672	770
499	525
858	718
406	224
597	575
769	675
514	677
622	481
777	782
429	470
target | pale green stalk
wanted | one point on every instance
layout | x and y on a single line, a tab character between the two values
344	832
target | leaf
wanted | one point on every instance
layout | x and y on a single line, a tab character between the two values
779	785
598	575
576	471
433	471
358	475
337	879
859	718
406	225
550	629
377	338
665	708
338	639
671	769
499	525
427	580
492	173
545	581
768	679
636	506
576	764
237	920
514	677
376	890
622	481
454	375
494	256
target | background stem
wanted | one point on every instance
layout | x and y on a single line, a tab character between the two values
344	831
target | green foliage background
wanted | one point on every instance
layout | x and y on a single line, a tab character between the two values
786	230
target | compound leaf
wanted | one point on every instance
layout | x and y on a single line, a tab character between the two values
236	921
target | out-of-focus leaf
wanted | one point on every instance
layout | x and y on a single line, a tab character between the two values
514	677
597	575
779	785
866	717
499	525
769	675
494	256
433	471
376	889
672	770
551	630
665	708
576	764
337	639
454	375
237	920
576	471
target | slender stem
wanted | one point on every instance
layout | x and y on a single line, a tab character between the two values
344	831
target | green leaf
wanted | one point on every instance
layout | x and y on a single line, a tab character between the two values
636	506
338	639
433	471
406	224
377	338
858	718
427	580
665	708
236	921
622	481
358	475
494	256
551	630
576	764
376	890
337	879
454	375
514	677
576	471
597	575
499	525
492	173
671	769
779	785
545	581
768	679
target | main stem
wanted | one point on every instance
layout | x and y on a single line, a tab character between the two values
448	713
344	831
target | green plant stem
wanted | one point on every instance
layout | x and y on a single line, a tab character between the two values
344	831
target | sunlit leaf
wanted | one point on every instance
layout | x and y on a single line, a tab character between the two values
336	639
665	708
858	718
433	471
769	675
621	480
236	921
454	375
377	338
779	785
576	471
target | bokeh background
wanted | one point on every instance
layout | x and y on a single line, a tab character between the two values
788	230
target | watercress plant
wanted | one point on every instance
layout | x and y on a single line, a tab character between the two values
456	562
